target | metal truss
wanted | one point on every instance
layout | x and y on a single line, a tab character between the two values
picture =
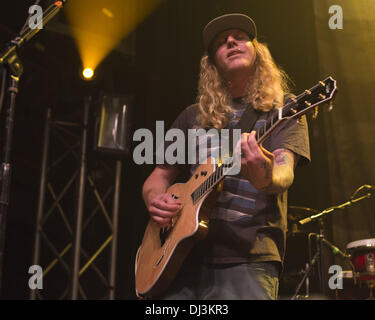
77	218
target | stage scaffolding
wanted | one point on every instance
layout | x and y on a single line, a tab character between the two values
77	216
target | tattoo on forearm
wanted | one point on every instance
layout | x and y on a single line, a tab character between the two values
281	157
283	161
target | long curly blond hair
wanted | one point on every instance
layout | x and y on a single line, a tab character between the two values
266	89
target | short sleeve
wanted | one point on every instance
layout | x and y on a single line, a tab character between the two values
186	120
292	135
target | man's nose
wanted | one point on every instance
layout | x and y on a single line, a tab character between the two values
231	41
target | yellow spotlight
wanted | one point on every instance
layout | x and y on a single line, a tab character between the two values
99	26
108	13
88	73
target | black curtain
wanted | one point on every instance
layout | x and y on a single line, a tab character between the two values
348	54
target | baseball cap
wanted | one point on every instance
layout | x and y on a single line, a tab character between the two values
225	22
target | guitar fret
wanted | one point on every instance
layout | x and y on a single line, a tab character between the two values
207	184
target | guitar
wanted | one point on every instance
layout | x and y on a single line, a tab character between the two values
163	250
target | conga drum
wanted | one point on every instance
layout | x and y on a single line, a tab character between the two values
351	289
362	256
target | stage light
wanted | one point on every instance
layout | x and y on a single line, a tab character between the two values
87	73
108	13
98	30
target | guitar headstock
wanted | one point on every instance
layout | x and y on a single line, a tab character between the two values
310	99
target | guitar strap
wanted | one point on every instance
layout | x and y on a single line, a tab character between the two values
246	123
248	119
250	115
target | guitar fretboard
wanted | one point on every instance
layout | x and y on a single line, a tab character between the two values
209	183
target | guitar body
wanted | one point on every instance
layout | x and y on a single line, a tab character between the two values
160	257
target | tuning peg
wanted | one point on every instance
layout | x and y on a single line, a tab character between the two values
315	113
220	186
330	108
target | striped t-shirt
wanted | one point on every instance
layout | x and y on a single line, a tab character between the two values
246	224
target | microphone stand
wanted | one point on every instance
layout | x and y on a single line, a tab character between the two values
321	238
341	206
14	69
317	256
307	272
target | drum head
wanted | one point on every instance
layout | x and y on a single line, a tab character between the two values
366	243
346	274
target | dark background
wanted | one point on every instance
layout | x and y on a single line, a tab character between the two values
161	72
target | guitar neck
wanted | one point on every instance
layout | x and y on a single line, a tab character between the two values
295	108
283	114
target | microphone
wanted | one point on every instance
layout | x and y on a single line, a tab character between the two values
306	220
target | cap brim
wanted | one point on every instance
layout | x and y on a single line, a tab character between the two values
225	22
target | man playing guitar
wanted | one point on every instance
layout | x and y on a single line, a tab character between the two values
242	255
